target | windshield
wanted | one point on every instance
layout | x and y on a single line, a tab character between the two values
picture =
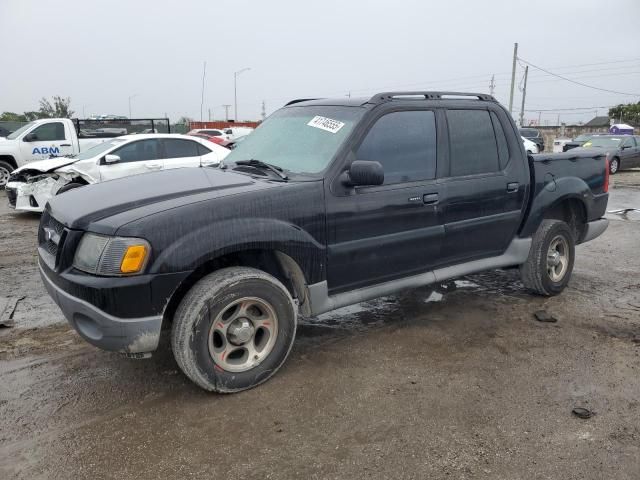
20	131
299	139
604	142
582	138
98	149
527	132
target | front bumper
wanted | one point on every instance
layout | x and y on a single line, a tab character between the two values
32	197
128	335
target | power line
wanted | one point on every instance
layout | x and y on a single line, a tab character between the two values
578	83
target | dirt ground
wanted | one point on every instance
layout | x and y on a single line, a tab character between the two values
457	382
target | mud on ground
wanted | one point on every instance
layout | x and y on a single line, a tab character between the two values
459	381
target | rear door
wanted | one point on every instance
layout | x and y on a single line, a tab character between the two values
140	156
51	139
484	190
378	233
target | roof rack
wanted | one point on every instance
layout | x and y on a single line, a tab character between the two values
388	96
298	100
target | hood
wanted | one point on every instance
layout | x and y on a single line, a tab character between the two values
48	165
106	206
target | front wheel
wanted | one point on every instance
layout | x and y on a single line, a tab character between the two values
550	263
234	329
5	171
614	165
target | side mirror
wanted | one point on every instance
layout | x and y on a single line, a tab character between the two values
365	172
111	159
30	137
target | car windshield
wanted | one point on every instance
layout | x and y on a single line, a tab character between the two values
98	149
20	131
582	138
299	139
603	142
527	132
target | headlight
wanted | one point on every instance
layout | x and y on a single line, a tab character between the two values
111	256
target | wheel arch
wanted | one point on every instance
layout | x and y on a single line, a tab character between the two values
272	261
10	160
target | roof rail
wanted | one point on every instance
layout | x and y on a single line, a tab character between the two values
388	96
298	100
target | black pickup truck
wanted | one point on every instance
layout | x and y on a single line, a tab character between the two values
328	203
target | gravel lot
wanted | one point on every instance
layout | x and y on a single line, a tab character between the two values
457	382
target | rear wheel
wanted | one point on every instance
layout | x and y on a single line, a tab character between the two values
614	165
5	170
234	329
550	263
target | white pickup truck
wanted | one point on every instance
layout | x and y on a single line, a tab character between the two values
60	137
39	140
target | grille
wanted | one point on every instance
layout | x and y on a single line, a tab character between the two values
11	195
50	237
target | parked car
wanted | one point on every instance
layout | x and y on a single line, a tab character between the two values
46	138
210	132
623	151
329	203
234	133
535	136
211	138
30	187
578	141
529	146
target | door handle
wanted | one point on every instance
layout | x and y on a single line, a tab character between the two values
513	187
430	198
153	166
65	145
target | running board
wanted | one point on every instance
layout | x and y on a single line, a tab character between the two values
321	302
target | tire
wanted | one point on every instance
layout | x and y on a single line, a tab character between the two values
5	170
538	273
217	315
69	186
614	165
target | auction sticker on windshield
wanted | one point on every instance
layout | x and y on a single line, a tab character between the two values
325	123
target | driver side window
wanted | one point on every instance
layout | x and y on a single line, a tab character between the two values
138	151
49	132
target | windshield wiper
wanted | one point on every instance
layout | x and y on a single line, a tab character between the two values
267	166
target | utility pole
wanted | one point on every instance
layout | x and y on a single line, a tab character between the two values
524	94
539	118
235	91
204	73
264	110
492	85
513	76
226	111
130	97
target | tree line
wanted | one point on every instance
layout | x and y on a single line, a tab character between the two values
59	108
629	113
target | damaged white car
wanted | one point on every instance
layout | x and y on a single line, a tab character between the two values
31	186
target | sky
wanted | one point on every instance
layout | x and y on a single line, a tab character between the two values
102	53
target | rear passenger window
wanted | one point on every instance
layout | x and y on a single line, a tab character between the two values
472	142
501	141
405	144
202	150
180	148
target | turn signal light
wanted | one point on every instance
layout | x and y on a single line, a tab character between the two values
133	259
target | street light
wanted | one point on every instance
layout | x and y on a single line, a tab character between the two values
235	91
130	97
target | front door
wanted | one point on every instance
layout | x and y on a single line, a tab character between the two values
629	153
136	157
46	140
484	191
378	233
